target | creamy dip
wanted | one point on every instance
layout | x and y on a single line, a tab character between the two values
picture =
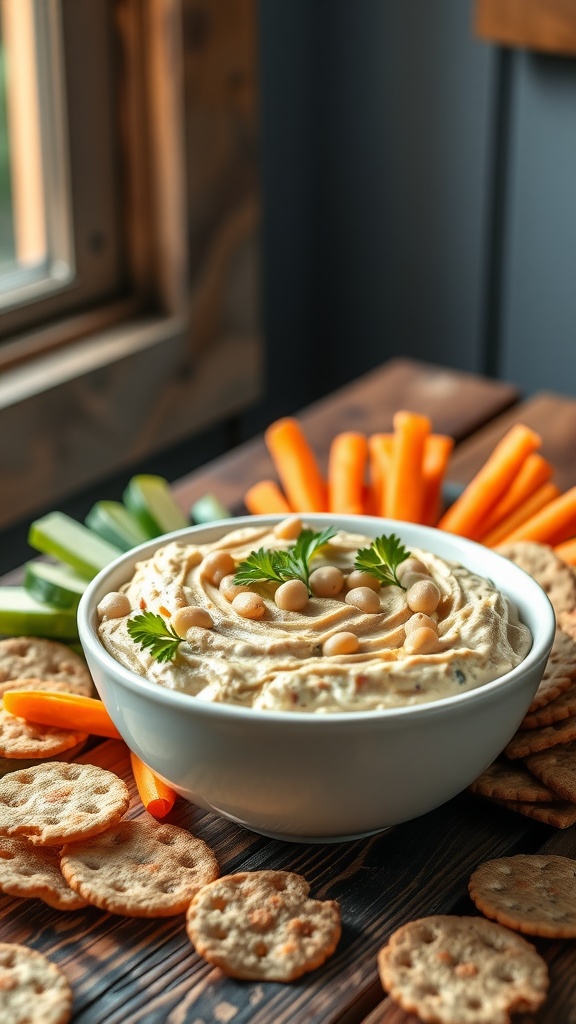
277	662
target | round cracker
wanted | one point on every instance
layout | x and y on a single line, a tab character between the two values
556	578
261	925
15	764
462	970
139	869
55	802
32	989
20	738
33	872
531	893
32	657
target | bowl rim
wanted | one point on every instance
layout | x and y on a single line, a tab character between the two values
162	695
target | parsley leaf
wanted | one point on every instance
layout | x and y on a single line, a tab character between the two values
279	566
382	559
151	630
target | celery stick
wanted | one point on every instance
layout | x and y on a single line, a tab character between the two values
59	535
112	521
22	615
208	508
56	585
149	498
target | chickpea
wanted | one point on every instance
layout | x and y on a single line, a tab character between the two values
340	643
358	578
327	581
229	589
292	596
216	566
364	599
410	578
411	565
421	641
249	606
288	529
114	606
424	596
184	618
418	621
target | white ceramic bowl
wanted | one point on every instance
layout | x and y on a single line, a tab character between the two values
321	778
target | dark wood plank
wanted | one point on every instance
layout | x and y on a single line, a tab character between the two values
548	26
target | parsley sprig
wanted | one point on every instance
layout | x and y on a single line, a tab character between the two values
151	630
382	559
279	566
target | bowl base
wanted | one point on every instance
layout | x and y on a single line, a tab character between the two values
317	840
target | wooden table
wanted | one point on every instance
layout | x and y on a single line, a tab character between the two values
126	970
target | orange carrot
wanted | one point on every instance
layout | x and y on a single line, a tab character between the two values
466	515
437	451
405	485
295	463
535	471
63	710
380	447
156	796
346	469
553	524
567	551
266	497
533	503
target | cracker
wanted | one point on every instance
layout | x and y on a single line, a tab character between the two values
560	815
559	672
20	738
14	764
55	802
33	990
561	707
462	970
531	893
556	768
33	872
556	578
32	657
262	925
139	869
529	741
509	781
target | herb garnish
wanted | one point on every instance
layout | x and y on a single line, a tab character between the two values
382	559
151	630
279	566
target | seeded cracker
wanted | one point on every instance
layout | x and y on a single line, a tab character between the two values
529	741
54	802
556	768
27	657
559	673
19	738
32	989
507	781
462	970
261	925
33	872
561	707
542	563
532	893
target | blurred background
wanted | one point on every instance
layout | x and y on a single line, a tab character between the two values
214	212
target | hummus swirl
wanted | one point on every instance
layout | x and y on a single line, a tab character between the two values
276	663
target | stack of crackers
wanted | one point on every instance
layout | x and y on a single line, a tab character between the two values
536	774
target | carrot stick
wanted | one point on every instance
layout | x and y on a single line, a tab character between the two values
405	485
466	515
535	471
346	468
265	497
437	451
63	710
567	551
296	465
380	447
554	523
156	796
533	503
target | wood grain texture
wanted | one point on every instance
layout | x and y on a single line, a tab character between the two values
548	26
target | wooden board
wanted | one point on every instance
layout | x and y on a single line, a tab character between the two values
548	26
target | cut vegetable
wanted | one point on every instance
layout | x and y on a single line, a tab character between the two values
208	509
346	469
56	585
116	524
157	798
59	535
22	615
265	497
149	498
302	482
62	710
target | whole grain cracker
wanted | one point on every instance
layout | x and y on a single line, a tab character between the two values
139	869
531	893
559	672
20	738
510	781
462	970
33	990
560	815
33	872
27	657
529	741
262	925
55	802
556	578
561	707
556	768
14	764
